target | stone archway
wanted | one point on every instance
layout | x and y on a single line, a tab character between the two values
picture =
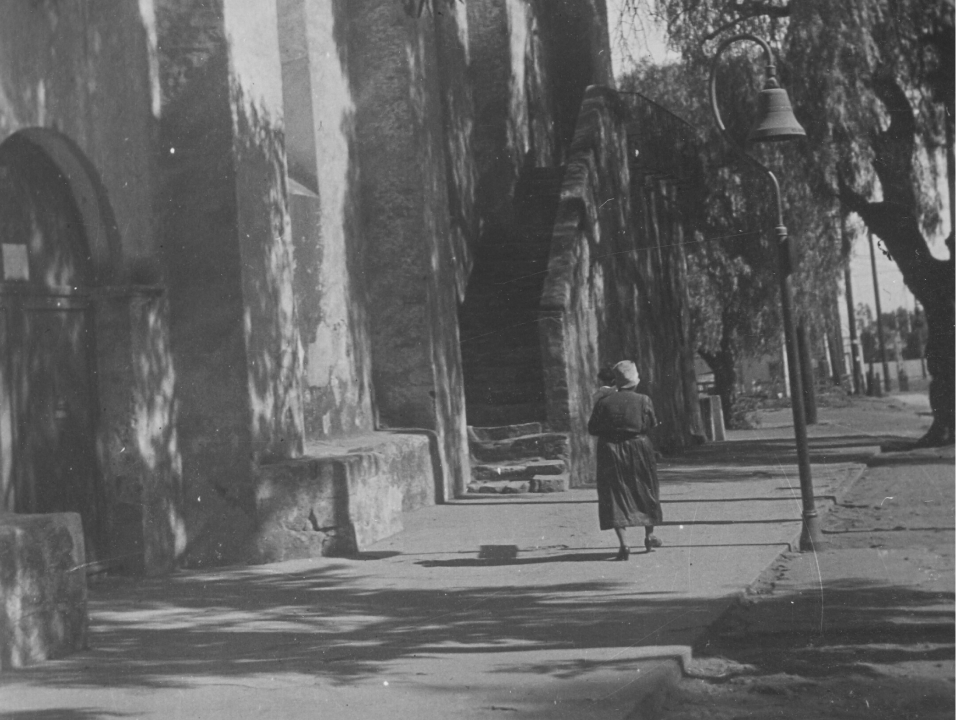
48	399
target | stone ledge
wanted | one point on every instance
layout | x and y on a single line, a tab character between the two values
549	483
43	586
549	446
342	496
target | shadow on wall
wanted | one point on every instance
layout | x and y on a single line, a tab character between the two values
197	215
273	350
48	403
331	300
89	379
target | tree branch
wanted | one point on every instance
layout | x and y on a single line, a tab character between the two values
748	10
894	146
924	275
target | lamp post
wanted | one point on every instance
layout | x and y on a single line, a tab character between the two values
776	123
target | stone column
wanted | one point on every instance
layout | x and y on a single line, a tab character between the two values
228	258
405	226
137	438
320	139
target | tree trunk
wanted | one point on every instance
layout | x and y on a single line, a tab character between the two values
895	222
723	363
940	361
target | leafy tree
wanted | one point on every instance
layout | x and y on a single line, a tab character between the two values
733	286
900	326
872	82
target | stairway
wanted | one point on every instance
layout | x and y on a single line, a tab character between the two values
500	347
517	459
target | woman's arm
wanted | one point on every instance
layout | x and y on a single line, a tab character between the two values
649	417
596	423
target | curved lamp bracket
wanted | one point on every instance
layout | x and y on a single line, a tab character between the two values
771	81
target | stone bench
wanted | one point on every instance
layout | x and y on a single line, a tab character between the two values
43	613
342	496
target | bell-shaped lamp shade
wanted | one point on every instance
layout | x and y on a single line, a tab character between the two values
775	120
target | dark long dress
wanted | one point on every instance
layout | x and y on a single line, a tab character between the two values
628	491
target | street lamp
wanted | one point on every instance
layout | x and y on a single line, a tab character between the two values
776	123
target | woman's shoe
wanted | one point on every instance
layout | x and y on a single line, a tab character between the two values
623	554
651	542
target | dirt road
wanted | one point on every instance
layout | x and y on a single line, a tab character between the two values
862	629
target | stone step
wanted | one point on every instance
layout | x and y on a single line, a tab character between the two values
505	394
537	484
509	377
543	179
550	483
485	414
498	287
483	352
502	432
500	487
502	299
518	471
504	269
549	446
533	239
511	266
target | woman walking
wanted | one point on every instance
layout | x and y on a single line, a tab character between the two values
628	493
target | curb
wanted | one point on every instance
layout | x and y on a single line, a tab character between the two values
652	700
657	685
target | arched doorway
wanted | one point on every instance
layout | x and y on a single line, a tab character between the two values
47	362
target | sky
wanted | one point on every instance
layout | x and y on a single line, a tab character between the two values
648	40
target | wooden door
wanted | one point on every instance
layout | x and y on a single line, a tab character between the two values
48	367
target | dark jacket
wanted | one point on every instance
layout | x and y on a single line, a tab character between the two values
622	415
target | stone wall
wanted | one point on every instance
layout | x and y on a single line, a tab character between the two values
598	304
80	84
282	203
331	299
43	586
227	254
87	72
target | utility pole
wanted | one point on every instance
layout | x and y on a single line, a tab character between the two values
834	340
855	355
879	317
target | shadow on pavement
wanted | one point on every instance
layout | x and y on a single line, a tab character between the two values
489	562
909	460
60	714
323	622
846	628
764	452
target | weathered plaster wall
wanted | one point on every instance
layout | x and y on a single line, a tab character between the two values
286	301
514	112
666	359
403	201
197	210
330	297
342	496
86	70
577	46
453	54
138	446
44	613
80	81
228	260
613	290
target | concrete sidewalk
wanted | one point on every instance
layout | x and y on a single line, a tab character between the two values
481	608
